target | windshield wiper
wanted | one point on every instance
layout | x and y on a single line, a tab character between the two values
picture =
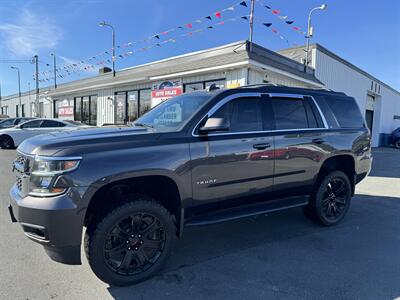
144	125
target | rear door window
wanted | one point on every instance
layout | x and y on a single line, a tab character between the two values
346	112
289	113
51	123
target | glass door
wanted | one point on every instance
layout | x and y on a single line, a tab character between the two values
133	97
120	108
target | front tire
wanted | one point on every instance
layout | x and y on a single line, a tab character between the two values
330	202
7	142
131	243
397	144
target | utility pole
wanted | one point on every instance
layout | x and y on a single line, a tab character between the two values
251	24
36	61
19	90
55	70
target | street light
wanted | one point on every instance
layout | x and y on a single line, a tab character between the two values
102	24
19	88
310	30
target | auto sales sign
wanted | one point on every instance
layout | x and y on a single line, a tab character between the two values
165	90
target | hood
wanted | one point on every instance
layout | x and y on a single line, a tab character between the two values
81	141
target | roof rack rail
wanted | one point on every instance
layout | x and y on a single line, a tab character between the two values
281	85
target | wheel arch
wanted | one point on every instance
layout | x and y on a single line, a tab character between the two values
155	186
340	162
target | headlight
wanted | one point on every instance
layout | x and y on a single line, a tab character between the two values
45	172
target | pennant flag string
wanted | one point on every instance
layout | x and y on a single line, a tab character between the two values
77	68
88	61
283	18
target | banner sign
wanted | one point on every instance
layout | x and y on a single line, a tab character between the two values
165	90
65	112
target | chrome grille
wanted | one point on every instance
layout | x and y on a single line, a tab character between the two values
21	167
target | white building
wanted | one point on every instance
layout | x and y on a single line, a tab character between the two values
379	102
106	99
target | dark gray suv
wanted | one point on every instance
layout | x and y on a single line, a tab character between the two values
197	159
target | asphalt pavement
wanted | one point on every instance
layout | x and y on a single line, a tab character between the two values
276	256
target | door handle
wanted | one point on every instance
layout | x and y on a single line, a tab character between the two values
319	141
262	146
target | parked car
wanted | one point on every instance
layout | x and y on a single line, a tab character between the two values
197	159
3	117
11	122
12	137
394	138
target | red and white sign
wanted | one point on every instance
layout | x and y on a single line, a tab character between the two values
165	90
167	93
65	111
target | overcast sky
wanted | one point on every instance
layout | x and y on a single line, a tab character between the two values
366	33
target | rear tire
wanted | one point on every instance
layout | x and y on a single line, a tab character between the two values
131	243
397	144
6	142
330	201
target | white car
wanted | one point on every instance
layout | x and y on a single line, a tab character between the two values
12	137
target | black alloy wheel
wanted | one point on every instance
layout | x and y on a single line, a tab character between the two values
330	202
7	142
334	198
132	242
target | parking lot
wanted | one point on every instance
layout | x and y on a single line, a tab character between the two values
281	255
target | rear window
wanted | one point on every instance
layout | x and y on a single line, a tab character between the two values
346	111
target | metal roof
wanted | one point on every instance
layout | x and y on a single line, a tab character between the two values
226	56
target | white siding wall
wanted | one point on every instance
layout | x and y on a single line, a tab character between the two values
340	77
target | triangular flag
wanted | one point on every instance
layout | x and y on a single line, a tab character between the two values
221	23
157	36
158	45
296	28
231	8
289	22
180	27
276	12
274	30
266	6
218	14
198	21
210	27
245	18
283	17
209	17
268	24
243	3
189	25
165	32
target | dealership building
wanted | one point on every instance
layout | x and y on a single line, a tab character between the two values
105	99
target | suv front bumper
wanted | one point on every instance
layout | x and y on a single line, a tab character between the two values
54	222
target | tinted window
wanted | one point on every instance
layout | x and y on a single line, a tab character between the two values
346	112
241	115
8	122
32	124
51	123
289	113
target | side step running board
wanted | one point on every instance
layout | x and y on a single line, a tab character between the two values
247	211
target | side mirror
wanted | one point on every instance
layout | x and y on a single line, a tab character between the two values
212	125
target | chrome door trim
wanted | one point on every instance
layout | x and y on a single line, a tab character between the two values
259	94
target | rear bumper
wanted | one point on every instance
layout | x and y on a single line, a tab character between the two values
54	222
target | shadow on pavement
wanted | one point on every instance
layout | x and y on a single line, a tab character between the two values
285	256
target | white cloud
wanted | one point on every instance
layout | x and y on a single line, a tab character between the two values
29	34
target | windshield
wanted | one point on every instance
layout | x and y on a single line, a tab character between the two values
173	114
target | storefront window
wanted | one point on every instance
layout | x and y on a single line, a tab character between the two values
203	85
133	97
56	106
131	104
194	87
93	110
86	109
145	101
